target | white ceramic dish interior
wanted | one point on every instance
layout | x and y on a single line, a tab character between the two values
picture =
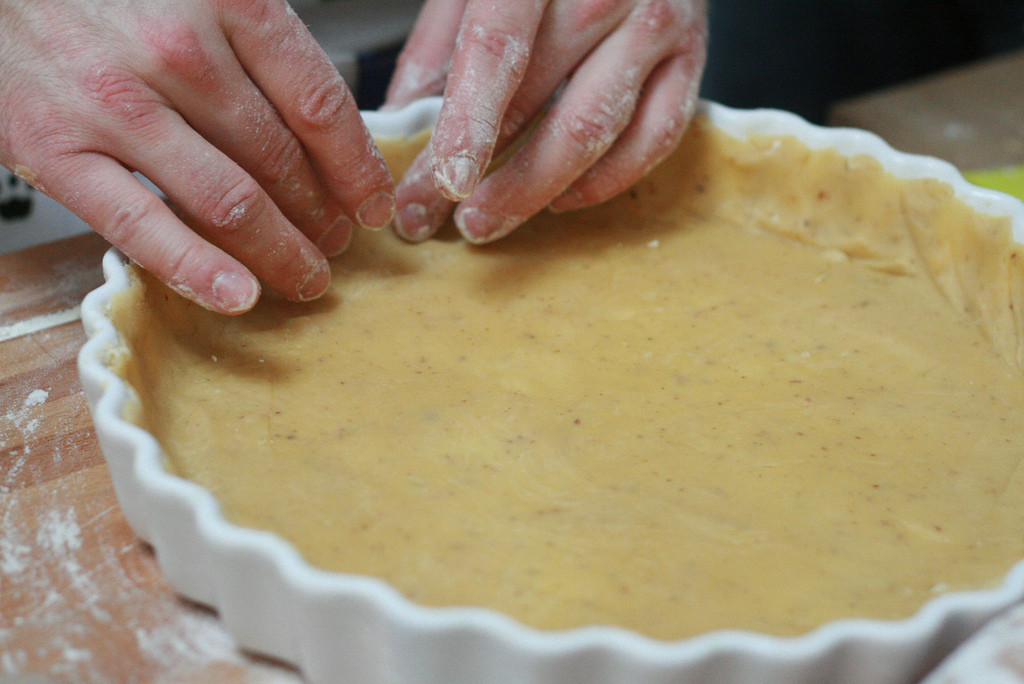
346	628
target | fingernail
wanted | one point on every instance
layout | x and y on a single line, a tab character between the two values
235	292
316	282
479	227
412	222
376	212
458	177
336	239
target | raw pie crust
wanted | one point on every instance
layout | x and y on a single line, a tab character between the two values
767	388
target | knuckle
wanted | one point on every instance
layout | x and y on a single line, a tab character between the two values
321	105
584	128
109	85
492	41
121	95
128	219
181	265
177	48
498	44
282	159
233	207
594	128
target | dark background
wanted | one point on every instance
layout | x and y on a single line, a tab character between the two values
803	55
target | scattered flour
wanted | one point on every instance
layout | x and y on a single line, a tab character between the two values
19	425
39	323
22	420
193	638
59	534
67	573
36	397
14	557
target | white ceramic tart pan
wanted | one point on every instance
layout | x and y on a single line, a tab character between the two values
338	627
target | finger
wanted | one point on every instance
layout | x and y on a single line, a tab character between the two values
289	67
658	125
422	66
568	32
119	207
592	111
196	74
421	208
224	203
491	55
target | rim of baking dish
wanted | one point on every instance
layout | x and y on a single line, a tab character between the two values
272	601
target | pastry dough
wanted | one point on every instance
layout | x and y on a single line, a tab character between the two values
766	388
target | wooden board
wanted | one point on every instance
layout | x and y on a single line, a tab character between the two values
81	599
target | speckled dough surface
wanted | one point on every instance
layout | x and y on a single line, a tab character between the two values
765	389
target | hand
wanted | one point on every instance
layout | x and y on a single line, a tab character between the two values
228	106
625	76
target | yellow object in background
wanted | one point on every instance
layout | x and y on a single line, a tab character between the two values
1008	179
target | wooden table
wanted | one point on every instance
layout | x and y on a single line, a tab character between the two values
972	116
81	599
